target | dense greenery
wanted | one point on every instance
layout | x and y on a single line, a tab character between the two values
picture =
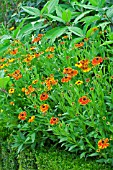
49	159
56	79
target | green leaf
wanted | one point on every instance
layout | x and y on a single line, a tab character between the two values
33	137
75	41
49	7
90	19
55	32
82	155
94	2
5	37
88	7
90	32
103	25
55	18
66	15
107	43
72	147
4	46
94	154
59	11
4	81
109	13
31	10
27	29
17	30
77	31
81	16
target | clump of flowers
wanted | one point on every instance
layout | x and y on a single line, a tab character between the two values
84	65
16	75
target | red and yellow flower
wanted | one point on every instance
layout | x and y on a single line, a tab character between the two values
103	143
97	60
31	119
44	108
65	79
44	96
54	120
22	115
84	100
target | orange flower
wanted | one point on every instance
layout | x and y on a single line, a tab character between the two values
50	56
79	45
50	81
103	143
97	60
13	52
65	79
23	89
44	96
31	119
37	39
37	55
12	103
54	120
31	89
67	70
50	49
22	115
84	100
34	81
44	107
73	73
16	75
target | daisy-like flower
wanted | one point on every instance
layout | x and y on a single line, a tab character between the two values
22	115
31	89
73	73
13	52
44	108
79	82
97	60
84	100
50	56
31	119
79	45
44	96
50	49
54	120
11	60
65	79
78	64
12	103
34	81
67	70
103	143
11	90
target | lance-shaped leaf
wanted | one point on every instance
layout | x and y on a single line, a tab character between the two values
77	31
66	15
55	32
49	7
31	10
